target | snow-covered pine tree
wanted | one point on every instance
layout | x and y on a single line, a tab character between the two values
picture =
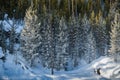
88	44
115	37
48	34
30	36
80	39
43	48
62	45
53	39
100	34
91	47
75	25
78	33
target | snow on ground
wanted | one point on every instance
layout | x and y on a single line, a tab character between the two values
20	71
13	69
109	68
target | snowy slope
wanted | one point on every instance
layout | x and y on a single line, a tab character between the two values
109	68
11	71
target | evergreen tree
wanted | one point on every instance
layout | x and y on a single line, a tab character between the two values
62	45
86	27
91	47
72	39
29	36
80	38
75	40
44	48
88	41
53	44
100	34
115	40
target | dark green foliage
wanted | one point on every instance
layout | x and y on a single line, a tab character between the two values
62	7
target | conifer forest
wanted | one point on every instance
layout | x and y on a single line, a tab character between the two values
59	39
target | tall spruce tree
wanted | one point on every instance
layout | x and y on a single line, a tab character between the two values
72	40
115	40
62	45
86	29
100	34
29	35
91	47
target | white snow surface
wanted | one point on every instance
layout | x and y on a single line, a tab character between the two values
21	71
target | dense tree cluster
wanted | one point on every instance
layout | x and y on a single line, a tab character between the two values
58	34
57	43
62	7
11	7
115	40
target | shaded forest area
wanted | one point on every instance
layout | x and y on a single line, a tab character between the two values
66	8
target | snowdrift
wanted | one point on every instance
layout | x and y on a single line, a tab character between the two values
109	68
10	70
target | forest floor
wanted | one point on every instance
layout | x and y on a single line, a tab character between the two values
10	70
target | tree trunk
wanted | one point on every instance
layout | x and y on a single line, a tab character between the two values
72	7
76	8
49	5
69	6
